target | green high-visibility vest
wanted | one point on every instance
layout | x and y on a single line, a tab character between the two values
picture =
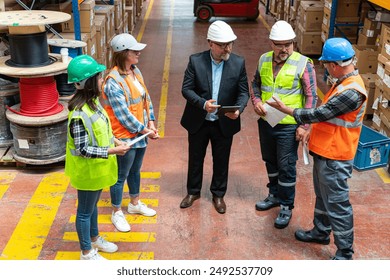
287	84
91	174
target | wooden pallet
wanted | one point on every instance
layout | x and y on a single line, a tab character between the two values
7	156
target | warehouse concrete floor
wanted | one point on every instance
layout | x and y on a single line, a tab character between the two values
38	206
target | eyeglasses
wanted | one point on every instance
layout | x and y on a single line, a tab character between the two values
282	46
133	52
323	62
224	45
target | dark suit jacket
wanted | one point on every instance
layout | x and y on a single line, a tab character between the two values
197	89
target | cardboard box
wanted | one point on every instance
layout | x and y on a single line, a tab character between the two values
311	14
366	59
109	12
385	40
130	22
369	82
386	78
118	11
309	42
363	40
339	19
371	28
86	22
101	36
382	60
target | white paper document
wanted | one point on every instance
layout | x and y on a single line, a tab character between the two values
135	140
273	116
305	152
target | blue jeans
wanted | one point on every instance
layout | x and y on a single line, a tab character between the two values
129	168
86	218
279	151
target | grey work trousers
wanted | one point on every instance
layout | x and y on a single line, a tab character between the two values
333	211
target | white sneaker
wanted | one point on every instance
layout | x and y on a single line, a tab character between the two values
104	246
141	208
119	221
92	256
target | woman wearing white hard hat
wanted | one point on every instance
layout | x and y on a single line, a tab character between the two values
213	78
291	76
128	104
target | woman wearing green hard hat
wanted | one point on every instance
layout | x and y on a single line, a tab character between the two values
91	151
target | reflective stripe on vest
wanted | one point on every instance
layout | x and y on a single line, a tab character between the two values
359	116
287	84
338	138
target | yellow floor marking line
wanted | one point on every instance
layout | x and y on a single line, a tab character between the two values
107	202
61	255
117	236
143	189
144	21
263	21
34	225
150	175
6	178
162	113
383	175
132	219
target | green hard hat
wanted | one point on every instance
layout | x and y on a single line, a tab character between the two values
83	67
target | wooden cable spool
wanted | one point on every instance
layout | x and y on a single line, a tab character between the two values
36	139
9	96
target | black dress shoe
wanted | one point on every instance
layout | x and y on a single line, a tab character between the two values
219	205
188	200
312	236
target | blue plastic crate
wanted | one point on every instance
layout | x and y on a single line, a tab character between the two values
372	151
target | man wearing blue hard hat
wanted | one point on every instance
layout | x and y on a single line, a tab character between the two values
333	141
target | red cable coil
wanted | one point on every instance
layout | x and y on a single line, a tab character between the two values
38	97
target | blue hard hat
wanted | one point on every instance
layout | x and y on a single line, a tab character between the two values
337	49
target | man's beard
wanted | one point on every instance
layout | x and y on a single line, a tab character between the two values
283	56
225	57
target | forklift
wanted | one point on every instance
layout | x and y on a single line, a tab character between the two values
205	9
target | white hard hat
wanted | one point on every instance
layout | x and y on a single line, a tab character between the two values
282	31
126	41
220	31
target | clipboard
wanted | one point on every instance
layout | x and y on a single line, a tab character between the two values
135	140
226	109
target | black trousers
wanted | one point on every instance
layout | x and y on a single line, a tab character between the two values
220	146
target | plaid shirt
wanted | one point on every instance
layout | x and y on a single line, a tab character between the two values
81	139
117	100
348	101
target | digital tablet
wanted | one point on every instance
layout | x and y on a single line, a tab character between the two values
226	109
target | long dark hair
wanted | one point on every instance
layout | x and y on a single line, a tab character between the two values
86	96
119	60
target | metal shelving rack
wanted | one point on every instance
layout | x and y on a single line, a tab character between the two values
76	18
332	21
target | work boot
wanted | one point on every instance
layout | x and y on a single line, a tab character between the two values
268	203
284	217
312	236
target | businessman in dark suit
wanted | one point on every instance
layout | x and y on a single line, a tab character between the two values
213	78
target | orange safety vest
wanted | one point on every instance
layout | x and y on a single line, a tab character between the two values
338	138
136	103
